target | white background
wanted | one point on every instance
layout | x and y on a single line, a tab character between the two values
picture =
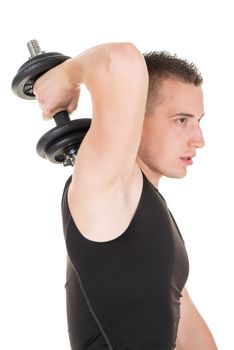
32	251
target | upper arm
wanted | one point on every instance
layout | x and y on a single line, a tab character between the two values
118	92
193	332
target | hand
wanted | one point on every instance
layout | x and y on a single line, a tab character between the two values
55	92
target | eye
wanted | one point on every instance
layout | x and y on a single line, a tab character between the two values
181	120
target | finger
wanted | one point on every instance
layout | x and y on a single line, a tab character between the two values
47	113
72	106
46	116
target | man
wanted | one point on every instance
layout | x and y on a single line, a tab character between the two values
127	264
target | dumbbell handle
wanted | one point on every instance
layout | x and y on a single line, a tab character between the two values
61	118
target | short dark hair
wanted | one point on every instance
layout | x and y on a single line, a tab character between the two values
163	65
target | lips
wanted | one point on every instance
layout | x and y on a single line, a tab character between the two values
187	160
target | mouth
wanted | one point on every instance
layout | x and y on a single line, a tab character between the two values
187	160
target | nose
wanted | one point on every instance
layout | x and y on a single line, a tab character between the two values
197	139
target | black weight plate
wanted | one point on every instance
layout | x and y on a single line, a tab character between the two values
61	139
23	82
57	151
60	132
56	134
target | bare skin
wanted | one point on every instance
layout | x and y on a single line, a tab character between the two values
107	180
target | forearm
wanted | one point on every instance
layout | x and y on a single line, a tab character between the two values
109	71
100	63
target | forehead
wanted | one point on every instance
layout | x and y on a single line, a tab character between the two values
181	94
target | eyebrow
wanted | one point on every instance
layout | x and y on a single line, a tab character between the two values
184	114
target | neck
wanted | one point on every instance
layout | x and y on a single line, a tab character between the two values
149	173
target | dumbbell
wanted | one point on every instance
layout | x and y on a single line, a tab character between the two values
60	144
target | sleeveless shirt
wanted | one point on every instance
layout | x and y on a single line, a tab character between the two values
124	294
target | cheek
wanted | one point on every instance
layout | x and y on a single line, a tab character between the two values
159	144
165	151
159	150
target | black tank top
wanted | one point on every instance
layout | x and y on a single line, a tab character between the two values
124	294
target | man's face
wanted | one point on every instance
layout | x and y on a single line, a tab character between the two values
171	133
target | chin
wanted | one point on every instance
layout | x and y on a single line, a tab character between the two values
181	176
178	174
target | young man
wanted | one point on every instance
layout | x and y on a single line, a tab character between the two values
127	264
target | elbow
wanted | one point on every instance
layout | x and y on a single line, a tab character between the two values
126	57
124	49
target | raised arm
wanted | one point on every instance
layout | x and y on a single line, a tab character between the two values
117	79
